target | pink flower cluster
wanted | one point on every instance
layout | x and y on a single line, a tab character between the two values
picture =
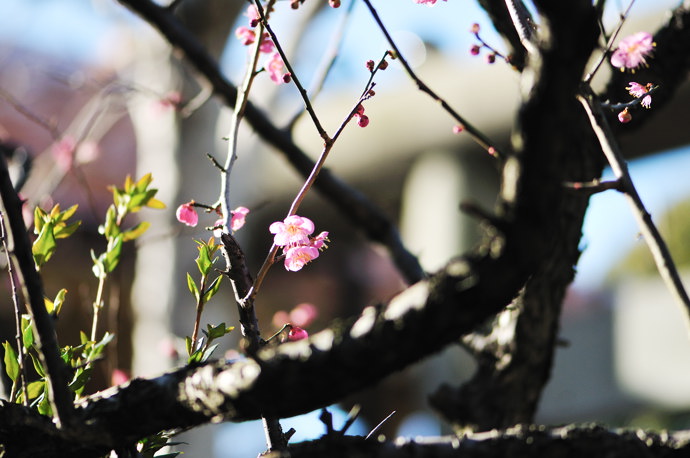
638	91
293	234
247	35
632	51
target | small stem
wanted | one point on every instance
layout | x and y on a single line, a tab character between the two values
199	310
475	133
97	306
657	246
17	317
602	58
303	93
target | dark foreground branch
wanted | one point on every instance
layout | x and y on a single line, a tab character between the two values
517	442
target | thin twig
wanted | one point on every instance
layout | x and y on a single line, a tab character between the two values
657	246
17	316
303	92
475	133
237	116
327	64
602	58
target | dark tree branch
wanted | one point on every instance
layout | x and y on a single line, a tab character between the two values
515	352
354	205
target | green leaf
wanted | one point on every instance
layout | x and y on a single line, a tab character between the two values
141	199
209	351
63	231
155	204
203	261
144	182
136	231
67	214
11	364
44	246
193	288
217	331
212	289
39	219
81	378
27	333
188	344
112	256
196	357
37	365
59	300
34	389
44	405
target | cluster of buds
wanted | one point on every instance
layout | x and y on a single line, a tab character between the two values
293	235
476	48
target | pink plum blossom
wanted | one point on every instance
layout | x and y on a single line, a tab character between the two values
253	14
266	45
293	230
246	35
238	218
319	242
276	68
187	214
297	333
632	51
297	257
427	2
637	90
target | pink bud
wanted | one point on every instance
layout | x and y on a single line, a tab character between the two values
370	65
458	128
187	214
334	3
363	121
475	28
297	333
474	50
624	116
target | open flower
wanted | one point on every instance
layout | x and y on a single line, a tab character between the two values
276	68
298	256
238	218
319	242
246	35
293	230
632	51
187	214
637	90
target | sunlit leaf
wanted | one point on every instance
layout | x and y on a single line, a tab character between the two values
136	231
11	364
193	288
212	289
